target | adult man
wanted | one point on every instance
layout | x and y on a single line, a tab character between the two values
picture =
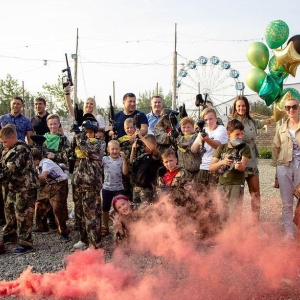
154	115
39	121
129	111
23	124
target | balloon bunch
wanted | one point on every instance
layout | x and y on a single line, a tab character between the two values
283	63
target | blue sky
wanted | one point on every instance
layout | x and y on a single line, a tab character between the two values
130	42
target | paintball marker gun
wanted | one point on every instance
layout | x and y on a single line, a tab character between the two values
67	75
182	111
78	113
111	117
201	124
39	141
235	156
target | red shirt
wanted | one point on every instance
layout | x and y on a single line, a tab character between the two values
169	176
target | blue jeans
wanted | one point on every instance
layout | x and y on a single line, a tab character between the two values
288	178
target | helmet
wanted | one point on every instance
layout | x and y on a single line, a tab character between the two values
90	122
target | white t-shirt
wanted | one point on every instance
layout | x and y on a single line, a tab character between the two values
218	134
52	168
100	120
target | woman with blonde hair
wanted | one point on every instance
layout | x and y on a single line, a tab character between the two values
286	158
89	107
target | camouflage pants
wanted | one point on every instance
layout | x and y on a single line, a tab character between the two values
19	210
55	196
205	178
87	206
141	195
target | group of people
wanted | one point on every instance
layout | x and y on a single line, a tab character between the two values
133	164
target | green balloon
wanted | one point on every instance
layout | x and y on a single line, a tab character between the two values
258	55
276	33
255	79
295	94
270	90
277	73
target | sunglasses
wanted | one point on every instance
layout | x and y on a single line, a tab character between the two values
293	107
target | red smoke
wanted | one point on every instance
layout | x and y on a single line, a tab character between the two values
166	260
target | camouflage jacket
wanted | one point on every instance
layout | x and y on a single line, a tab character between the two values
178	194
161	133
186	158
88	168
61	155
18	168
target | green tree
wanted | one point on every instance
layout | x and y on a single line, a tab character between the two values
9	88
261	108
55	97
144	99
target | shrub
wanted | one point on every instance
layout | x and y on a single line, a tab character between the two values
265	153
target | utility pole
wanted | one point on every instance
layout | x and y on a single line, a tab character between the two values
75	57
174	94
114	94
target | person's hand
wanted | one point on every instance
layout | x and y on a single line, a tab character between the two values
227	161
123	155
276	183
67	89
239	166
117	225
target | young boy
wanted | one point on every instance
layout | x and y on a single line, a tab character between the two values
114	166
172	179
126	145
54	193
19	172
186	158
56	141
87	182
232	172
145	169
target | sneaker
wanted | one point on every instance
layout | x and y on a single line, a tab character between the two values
65	238
288	238
20	250
80	245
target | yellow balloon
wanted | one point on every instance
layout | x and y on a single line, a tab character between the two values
288	58
279	111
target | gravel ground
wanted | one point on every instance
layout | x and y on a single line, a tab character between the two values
49	252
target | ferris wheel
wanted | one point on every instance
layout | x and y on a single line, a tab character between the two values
211	77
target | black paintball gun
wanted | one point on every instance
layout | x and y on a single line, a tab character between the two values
78	113
235	156
201	124
182	111
112	121
137	125
67	75
39	141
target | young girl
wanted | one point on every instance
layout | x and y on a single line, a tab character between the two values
114	166
123	217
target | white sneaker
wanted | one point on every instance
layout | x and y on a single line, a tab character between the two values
80	245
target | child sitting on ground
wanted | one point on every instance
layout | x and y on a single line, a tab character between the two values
122	217
231	161
114	166
145	169
54	193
